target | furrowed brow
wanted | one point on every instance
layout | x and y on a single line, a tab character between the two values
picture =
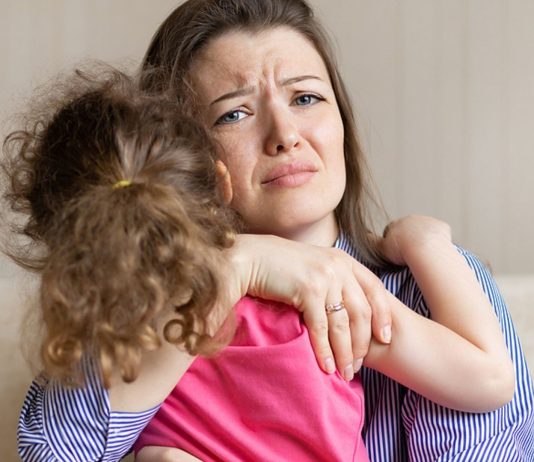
249	90
233	94
298	79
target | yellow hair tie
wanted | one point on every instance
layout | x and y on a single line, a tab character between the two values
122	184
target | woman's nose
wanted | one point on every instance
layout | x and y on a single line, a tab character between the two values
283	134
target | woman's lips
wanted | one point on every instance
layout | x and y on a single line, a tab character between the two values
290	175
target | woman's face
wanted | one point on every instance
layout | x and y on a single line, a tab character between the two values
269	103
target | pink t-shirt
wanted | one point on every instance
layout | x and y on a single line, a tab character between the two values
262	398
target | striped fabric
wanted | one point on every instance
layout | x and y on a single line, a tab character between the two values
403	426
75	425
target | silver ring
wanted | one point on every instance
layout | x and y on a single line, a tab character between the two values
333	307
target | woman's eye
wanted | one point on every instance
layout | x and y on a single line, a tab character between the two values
307	100
231	117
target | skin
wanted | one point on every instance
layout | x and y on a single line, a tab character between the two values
253	113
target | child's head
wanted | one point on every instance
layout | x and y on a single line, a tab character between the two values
119	194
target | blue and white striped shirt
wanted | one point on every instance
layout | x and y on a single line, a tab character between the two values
403	426
77	425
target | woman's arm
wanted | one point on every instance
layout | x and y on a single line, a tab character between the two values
58	422
308	277
459	358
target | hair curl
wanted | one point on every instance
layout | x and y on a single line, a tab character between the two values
113	260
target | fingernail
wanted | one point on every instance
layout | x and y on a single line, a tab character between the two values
348	373
358	364
386	334
329	365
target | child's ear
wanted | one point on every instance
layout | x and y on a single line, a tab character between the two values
224	182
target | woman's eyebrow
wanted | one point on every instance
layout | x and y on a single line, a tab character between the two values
234	94
250	89
299	78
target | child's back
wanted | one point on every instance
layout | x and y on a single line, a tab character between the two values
262	398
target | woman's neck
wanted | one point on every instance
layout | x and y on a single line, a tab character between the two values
323	233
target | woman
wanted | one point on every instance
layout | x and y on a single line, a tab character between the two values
287	135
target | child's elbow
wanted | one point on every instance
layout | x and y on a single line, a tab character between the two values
500	386
507	383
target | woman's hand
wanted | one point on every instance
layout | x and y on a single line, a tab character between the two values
309	277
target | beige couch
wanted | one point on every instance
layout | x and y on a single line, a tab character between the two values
15	289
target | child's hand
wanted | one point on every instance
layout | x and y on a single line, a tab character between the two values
412	233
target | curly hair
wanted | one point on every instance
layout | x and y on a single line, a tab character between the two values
119	198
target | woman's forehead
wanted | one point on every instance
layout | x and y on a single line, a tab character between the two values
241	58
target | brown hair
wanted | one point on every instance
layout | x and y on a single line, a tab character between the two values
195	23
119	197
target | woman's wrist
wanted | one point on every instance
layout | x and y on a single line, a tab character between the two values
239	267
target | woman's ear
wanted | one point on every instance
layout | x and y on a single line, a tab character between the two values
224	182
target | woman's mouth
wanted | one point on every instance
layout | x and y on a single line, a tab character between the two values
290	175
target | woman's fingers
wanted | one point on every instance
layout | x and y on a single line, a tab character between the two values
360	314
381	319
375	295
339	333
340	326
309	278
317	324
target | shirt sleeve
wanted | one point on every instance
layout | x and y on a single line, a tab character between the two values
58	423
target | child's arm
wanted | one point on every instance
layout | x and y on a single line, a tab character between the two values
160	372
459	358
163	454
